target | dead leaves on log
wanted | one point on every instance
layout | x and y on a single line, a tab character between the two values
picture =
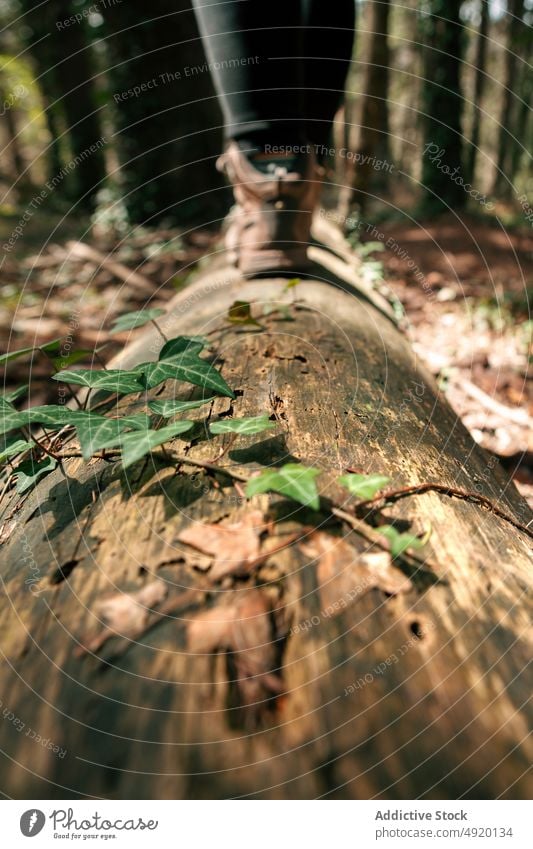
343	574
234	548
125	615
246	630
250	625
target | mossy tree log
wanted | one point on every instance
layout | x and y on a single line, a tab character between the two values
314	671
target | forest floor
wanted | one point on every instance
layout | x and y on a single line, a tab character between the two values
463	283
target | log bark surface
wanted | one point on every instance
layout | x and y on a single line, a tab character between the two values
416	690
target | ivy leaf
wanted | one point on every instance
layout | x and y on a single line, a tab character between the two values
136	445
95	432
13	445
251	424
170	406
131	320
399	543
293	480
51	348
15	355
112	380
240	312
189	369
52	415
6	406
363	486
15	394
29	473
182	345
136	421
70	359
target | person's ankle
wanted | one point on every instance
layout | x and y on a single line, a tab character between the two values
268	157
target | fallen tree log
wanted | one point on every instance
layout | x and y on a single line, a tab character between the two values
165	637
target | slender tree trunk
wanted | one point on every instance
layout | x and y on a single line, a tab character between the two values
65	70
521	143
442	105
479	86
75	76
13	141
167	113
373	143
514	9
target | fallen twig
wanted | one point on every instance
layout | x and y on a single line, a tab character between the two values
452	492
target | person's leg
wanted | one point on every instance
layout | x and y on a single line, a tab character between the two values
327	51
254	52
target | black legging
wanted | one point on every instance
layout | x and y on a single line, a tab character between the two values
279	66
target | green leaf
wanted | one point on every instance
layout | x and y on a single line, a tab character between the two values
53	347
95	432
240	312
136	445
13	445
188	368
112	380
182	345
170	406
293	480
29	473
290	284
15	394
14	355
251	424
52	415
136	421
9	418
70	359
363	486
131	320
6	406
399	543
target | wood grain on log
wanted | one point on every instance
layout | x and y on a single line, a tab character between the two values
320	668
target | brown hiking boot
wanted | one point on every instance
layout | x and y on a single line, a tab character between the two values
269	229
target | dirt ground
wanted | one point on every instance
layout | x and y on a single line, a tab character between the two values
466	286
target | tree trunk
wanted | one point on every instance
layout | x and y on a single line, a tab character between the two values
315	668
442	106
501	178
519	143
373	141
75	76
65	74
13	146
479	86
168	116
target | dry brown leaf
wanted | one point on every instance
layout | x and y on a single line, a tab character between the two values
244	629
126	614
343	574
211	631
233	547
